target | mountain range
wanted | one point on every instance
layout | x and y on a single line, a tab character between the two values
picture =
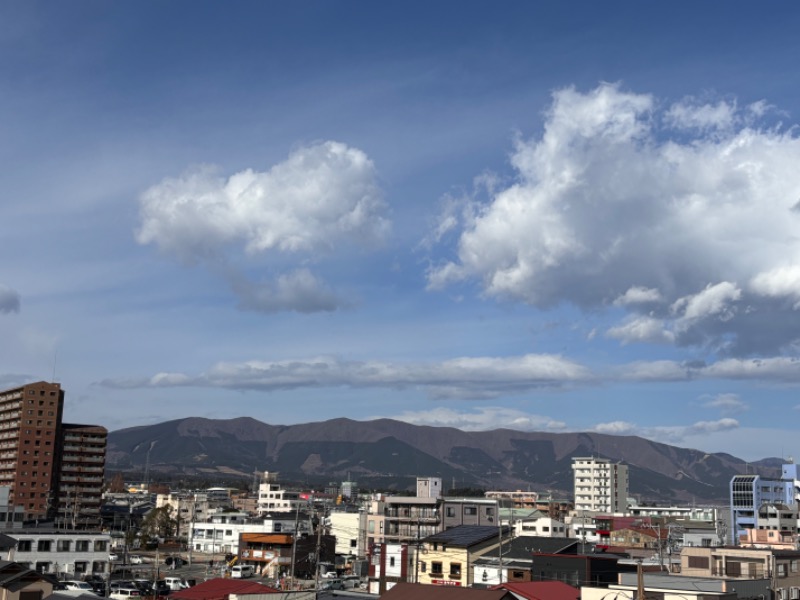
385	454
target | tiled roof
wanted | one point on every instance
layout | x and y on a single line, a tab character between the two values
220	589
417	591
541	590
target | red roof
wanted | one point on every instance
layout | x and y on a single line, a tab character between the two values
541	590
418	591
221	589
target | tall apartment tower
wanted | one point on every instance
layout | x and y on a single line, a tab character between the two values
30	427
80	484
600	484
51	468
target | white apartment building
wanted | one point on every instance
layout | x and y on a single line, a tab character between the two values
220	534
272	498
539	524
65	553
600	485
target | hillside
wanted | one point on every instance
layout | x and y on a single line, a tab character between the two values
387	454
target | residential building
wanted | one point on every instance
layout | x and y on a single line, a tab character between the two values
767	504
346	527
30	420
272	497
471	511
272	553
52	469
429	487
537	523
670	587
80	481
221	532
779	568
600	484
398	519
447	557
66	554
187	508
392	563
18	582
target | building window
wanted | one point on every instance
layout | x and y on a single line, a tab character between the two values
24	545
423	566
436	569
470	511
100	546
455	570
391	561
43	546
63	545
82	546
698	562
450	511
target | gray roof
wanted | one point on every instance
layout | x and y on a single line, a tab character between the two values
464	536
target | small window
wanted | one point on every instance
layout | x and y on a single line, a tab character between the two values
43	546
455	570
63	545
436	568
24	545
82	546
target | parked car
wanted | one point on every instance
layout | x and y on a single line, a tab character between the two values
113	557
135	559
332	584
124	593
73	587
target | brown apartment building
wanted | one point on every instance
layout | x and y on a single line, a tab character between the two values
52	468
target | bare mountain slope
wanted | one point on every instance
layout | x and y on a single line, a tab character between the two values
389	454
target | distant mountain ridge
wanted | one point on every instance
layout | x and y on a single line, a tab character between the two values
389	454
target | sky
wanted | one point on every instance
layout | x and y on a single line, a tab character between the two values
562	216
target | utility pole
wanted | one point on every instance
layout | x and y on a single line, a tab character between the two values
316	555
294	544
500	538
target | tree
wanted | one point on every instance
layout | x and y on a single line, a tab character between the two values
159	522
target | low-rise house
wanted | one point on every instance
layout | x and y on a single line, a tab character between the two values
447	557
671	587
223	589
537	523
390	564
271	554
781	568
18	582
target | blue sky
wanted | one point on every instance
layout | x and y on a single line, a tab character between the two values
572	216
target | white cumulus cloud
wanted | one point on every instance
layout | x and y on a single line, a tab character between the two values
727	403
321	198
685	215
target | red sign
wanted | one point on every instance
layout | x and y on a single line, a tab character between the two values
444	582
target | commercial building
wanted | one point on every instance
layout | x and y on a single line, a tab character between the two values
758	503
53	470
600	485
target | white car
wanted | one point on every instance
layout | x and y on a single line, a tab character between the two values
135	559
113	557
76	588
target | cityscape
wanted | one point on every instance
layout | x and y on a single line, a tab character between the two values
72	528
409	301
